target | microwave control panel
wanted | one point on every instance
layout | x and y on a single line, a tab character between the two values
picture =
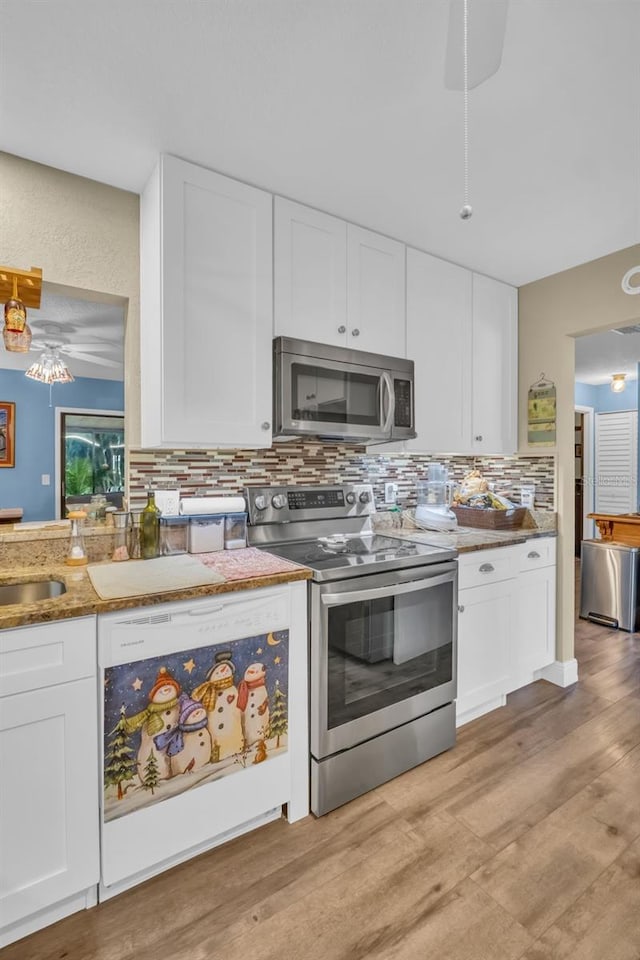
404	405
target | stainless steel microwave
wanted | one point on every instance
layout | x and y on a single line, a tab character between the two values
341	394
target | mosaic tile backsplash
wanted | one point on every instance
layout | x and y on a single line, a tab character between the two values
309	462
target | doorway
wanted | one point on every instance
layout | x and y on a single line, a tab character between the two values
584	475
90	447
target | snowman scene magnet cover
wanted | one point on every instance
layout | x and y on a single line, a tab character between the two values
180	720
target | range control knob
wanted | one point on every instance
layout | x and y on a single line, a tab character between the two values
279	501
365	496
260	503
350	497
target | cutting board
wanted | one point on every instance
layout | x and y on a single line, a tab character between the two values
138	578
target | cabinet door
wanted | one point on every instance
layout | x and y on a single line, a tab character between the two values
206	310
534	639
48	797
310	274
485	624
439	343
375	293
495	360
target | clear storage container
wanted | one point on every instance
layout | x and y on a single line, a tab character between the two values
235	531
206	533
173	535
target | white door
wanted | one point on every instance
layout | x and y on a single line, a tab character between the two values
309	274
206	310
495	364
375	293
48	797
439	343
616	462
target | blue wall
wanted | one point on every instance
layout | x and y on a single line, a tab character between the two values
604	400
35	434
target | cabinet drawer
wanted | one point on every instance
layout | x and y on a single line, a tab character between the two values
487	566
540	552
40	656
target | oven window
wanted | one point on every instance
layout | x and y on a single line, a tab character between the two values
385	650
328	396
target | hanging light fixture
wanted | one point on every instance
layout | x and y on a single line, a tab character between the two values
50	368
17	341
15	312
618	382
19	289
16	332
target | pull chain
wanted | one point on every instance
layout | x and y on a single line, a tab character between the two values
466	210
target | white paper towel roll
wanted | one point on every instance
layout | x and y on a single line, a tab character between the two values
192	506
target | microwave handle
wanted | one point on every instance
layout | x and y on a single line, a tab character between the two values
393	589
391	407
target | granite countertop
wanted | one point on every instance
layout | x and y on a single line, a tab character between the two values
244	570
538	523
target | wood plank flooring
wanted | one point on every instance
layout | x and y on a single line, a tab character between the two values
521	842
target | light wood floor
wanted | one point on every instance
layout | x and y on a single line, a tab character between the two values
521	842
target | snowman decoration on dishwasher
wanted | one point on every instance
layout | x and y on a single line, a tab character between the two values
219	697
253	700
188	744
160	715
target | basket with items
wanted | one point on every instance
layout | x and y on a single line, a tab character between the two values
476	506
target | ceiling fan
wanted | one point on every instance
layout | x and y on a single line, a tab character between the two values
51	337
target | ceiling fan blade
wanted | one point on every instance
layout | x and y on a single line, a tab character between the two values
101	361
91	346
487	25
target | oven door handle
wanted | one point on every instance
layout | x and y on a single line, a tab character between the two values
355	596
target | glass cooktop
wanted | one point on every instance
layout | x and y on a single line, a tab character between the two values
337	556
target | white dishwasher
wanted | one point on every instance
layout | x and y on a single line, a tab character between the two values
204	726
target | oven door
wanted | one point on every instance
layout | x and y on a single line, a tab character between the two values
332	398
383	652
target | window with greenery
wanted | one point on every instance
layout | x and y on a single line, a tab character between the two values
93	458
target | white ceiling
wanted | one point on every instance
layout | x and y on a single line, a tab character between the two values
90	336
600	355
342	104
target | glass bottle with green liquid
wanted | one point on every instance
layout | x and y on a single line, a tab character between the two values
150	528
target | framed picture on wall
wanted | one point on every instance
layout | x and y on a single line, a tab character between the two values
7	434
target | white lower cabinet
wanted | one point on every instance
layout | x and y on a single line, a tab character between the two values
506	622
485	624
535	614
49	844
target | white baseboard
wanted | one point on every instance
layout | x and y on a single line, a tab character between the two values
480	710
43	918
561	672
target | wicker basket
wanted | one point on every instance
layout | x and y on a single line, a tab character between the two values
490	519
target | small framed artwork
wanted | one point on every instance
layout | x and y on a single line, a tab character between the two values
7	434
578	447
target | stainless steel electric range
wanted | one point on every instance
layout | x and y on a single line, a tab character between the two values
383	636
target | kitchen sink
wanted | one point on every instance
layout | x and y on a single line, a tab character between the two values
28	591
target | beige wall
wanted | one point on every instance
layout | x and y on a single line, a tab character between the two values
552	311
84	235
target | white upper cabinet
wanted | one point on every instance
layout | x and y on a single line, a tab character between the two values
439	343
375	293
495	366
336	283
310	275
462	337
206	310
